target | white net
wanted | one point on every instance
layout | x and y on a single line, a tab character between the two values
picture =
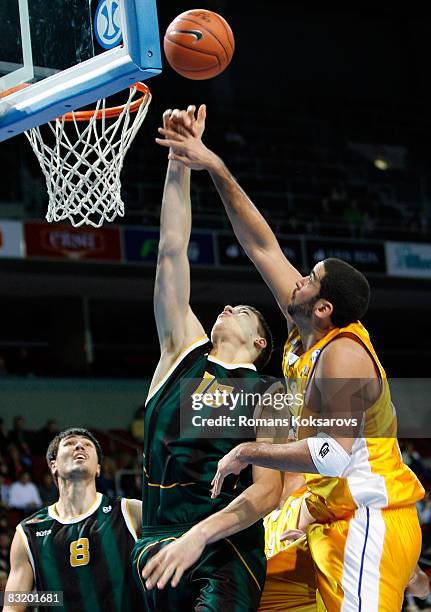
82	159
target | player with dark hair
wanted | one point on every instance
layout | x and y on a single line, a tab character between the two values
366	538
80	545
198	553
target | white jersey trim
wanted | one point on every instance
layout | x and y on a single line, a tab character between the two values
128	518
80	517
22	533
232	366
366	487
361	566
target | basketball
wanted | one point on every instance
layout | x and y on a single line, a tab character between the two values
199	44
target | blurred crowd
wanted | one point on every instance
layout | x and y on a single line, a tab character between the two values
26	483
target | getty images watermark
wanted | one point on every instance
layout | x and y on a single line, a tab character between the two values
280	402
242	408
270	407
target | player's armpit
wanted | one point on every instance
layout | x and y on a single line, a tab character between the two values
175	347
134	507
21	573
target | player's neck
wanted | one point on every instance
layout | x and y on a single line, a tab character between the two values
76	498
311	334
227	352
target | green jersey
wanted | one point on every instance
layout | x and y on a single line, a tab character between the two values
178	469
88	557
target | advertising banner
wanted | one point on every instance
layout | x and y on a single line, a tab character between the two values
11	239
65	241
232	254
141	245
408	259
366	256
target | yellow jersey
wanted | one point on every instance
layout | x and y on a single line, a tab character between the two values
376	476
281	520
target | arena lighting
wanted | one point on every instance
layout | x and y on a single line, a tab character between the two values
381	163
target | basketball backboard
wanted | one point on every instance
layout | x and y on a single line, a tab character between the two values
67	54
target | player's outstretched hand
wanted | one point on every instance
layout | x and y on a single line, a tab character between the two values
173	560
230	464
187	122
182	133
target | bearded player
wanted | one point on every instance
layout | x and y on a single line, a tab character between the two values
366	538
80	545
198	553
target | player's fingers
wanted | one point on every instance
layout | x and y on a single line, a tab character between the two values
181	129
147	571
165	143
181	117
214	480
156	572
217	488
179	158
191	109
166	575
218	481
166	117
202	113
170	133
177	576
148	567
151	564
291	535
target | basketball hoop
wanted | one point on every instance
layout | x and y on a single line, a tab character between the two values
82	154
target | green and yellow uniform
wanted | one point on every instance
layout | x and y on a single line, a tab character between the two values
177	474
87	557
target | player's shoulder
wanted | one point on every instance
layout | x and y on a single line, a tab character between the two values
344	356
132	513
39	516
109	503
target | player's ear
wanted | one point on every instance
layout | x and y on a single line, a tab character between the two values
98	471
53	467
323	309
261	343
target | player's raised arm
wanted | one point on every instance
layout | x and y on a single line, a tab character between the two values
21	573
177	326
250	227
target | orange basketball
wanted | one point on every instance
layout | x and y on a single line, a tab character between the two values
199	44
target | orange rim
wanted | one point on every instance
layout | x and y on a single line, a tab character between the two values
113	111
108	113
